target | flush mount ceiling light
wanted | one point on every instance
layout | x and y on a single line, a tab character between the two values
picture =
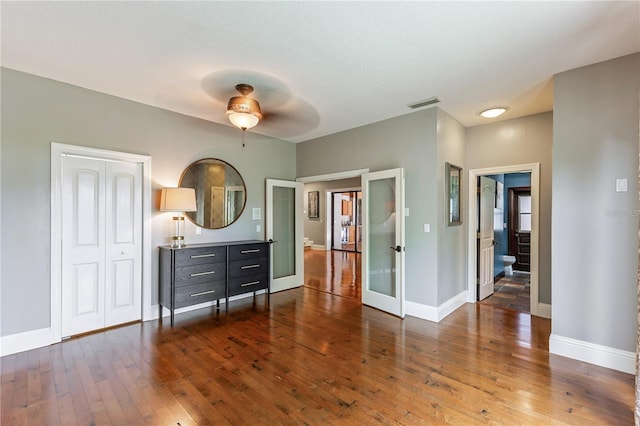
244	112
493	112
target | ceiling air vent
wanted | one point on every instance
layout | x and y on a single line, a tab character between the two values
426	102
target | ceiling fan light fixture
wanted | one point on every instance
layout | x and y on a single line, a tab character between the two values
493	112
244	112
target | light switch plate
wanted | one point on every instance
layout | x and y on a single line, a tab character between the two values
427	227
256	213
621	185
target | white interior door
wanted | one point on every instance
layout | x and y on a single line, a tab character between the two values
337	223
285	228
123	243
101	244
485	237
83	247
383	248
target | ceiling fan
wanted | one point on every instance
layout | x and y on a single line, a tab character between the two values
255	99
244	112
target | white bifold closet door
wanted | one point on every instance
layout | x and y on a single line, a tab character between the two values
101	244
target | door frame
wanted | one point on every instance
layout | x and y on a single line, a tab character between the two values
58	150
472	207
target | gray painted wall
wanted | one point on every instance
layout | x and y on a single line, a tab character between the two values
519	141
409	141
314	229
452	251
595	228
38	111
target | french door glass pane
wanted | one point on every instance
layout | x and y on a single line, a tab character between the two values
382	236
284	225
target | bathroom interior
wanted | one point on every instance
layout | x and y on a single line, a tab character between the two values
512	234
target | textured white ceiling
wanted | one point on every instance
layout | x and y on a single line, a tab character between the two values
318	67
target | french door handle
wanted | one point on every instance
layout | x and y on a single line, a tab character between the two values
396	248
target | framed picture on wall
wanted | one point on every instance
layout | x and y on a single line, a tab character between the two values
453	179
314	204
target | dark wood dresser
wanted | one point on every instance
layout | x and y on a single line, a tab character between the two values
202	273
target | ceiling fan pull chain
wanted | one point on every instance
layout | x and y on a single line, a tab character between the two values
243	133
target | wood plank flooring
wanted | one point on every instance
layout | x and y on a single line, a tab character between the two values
313	358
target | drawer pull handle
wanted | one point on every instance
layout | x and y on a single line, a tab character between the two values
202	293
197	274
250	251
251	283
197	256
249	266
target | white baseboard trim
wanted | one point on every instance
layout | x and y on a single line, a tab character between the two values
319	247
433	313
35	339
543	310
592	353
26	341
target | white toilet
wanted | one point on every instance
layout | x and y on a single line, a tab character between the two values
508	262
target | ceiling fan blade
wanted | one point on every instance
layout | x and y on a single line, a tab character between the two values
293	119
267	90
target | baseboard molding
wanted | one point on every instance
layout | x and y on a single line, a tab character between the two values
26	341
592	353
319	247
543	310
35	339
435	313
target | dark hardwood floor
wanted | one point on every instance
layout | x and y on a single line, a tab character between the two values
313	358
336	272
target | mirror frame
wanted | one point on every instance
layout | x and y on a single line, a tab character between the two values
228	167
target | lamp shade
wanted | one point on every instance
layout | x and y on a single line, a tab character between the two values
178	200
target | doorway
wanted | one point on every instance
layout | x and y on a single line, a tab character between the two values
347	221
534	169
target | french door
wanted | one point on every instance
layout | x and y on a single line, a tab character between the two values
101	243
284	226
383	253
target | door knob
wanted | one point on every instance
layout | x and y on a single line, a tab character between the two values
396	248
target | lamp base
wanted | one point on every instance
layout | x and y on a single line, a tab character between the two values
177	241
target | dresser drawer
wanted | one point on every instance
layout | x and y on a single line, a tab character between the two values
249	283
246	251
194	274
200	255
199	293
241	268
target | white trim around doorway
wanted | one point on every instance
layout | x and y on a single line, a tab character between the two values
536	308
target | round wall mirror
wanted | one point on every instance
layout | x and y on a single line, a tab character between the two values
220	192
